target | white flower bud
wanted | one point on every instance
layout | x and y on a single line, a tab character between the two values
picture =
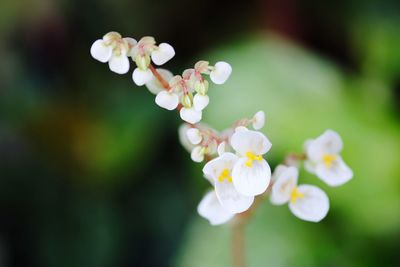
221	148
167	100
142	61
197	154
200	101
140	77
221	72
100	51
194	136
201	87
187	100
259	120
164	53
190	115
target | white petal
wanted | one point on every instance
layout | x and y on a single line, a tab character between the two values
140	77
119	64
259	120
131	43
221	72
251	181
285	181
100	51
310	166
183	137
327	143
335	175
230	199
313	206
164	53
200	101
221	149
190	115
154	85
250	141
214	167
194	136
241	129
210	208
197	154
167	100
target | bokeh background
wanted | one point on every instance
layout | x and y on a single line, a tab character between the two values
92	172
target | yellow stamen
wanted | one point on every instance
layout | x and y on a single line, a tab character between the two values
252	157
225	174
295	195
328	160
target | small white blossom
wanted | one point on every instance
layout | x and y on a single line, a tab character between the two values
211	209
258	120
221	72
324	160
251	174
114	50
154	84
306	202
167	100
219	169
190	115
163	53
200	102
194	136
141	77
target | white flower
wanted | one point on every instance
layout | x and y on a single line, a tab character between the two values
258	120
324	160
162	54
154	84
211	209
190	115
200	102
221	72
114	50
306	202
220	170
194	136
251	174
141	77
167	100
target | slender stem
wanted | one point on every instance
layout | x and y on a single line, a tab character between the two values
158	76
238	243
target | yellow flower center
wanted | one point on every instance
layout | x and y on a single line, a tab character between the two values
252	157
295	195
328	160
225	174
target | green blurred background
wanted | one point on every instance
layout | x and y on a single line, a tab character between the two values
92	173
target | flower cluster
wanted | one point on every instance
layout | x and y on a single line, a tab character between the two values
187	92
235	164
238	178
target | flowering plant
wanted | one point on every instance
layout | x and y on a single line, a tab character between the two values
235	167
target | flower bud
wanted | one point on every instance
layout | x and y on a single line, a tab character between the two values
194	136
142	61
187	100
197	154
201	87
